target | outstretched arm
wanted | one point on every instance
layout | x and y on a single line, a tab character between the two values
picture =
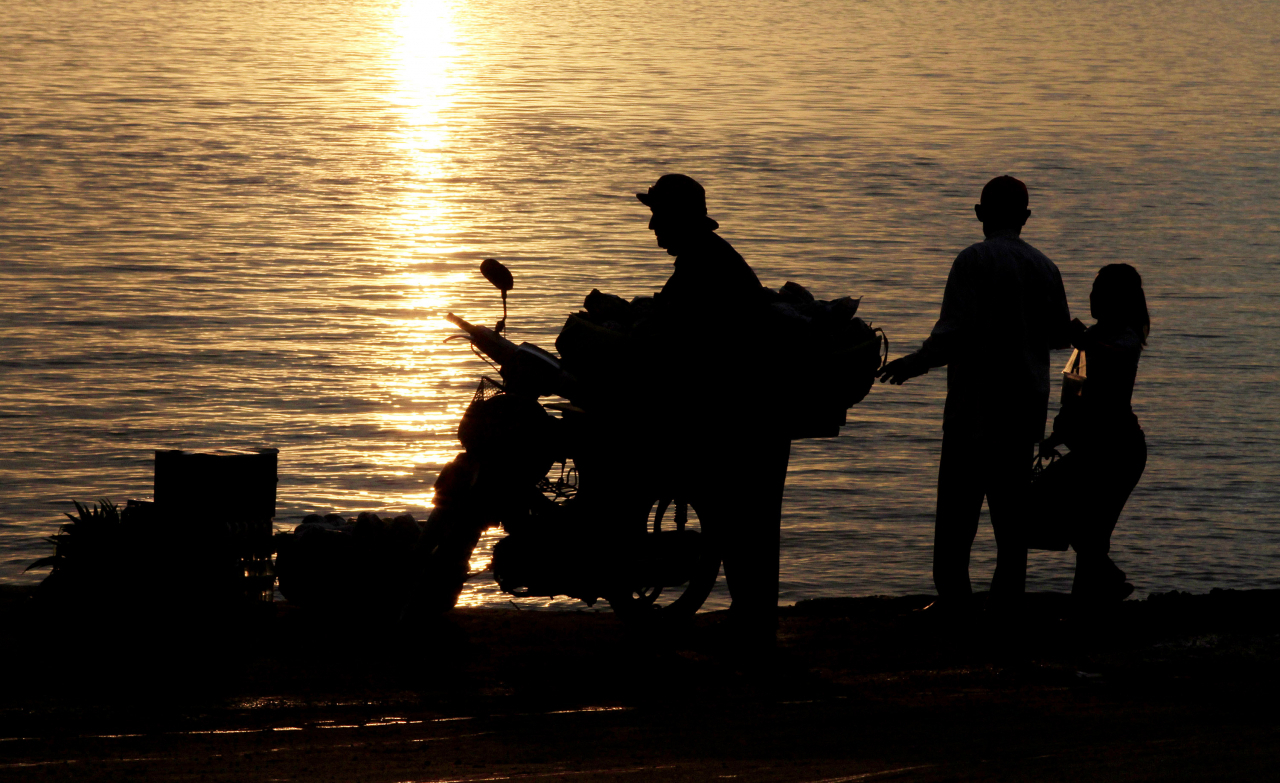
947	333
901	370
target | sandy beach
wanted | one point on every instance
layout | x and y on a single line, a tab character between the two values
1176	687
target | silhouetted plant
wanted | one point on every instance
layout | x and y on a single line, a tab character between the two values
112	561
91	533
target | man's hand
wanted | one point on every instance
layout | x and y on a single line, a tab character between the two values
901	370
1048	447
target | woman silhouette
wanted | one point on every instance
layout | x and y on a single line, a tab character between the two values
1108	448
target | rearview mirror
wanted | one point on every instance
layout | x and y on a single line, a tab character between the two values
500	276
497	274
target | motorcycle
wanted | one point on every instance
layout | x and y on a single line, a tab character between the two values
528	469
533	472
572	479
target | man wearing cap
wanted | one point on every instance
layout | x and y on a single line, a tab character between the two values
731	450
1003	309
711	281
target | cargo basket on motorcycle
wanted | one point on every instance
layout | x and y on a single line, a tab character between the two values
823	381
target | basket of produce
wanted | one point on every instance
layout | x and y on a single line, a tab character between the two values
822	358
827	356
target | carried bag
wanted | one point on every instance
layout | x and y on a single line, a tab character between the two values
1073	376
1049	508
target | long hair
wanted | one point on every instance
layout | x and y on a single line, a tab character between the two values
1118	294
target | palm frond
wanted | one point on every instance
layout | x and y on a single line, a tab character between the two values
89	533
44	562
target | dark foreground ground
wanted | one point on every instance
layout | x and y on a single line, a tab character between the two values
1177	687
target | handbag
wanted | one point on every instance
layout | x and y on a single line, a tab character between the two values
1053	485
1049	509
1073	376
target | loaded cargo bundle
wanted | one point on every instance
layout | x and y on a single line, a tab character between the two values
823	358
828	359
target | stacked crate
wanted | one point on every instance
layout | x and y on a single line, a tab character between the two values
227	499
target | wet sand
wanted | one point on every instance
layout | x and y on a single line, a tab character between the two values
1176	687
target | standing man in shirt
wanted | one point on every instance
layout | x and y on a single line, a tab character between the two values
1004	308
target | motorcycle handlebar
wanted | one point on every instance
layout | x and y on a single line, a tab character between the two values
527	364
494	345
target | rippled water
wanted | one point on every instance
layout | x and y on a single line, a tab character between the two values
237	224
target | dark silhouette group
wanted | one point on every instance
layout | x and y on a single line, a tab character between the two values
1004	309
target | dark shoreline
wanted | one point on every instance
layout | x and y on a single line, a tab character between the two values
1175	687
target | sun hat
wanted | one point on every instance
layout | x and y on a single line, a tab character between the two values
678	195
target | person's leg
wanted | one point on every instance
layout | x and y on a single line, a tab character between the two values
960	493
1008	462
740	506
1097	577
752	563
1111	473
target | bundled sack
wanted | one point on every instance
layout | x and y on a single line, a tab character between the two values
825	358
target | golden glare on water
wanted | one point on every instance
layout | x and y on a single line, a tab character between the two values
476	592
424	56
423	53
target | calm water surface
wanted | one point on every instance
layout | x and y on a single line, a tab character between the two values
238	224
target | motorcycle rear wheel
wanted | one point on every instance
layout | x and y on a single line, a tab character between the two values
647	604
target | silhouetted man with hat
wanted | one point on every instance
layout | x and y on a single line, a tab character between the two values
732	453
711	281
1003	309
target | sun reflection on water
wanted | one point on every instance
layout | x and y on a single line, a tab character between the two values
424	55
477	589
